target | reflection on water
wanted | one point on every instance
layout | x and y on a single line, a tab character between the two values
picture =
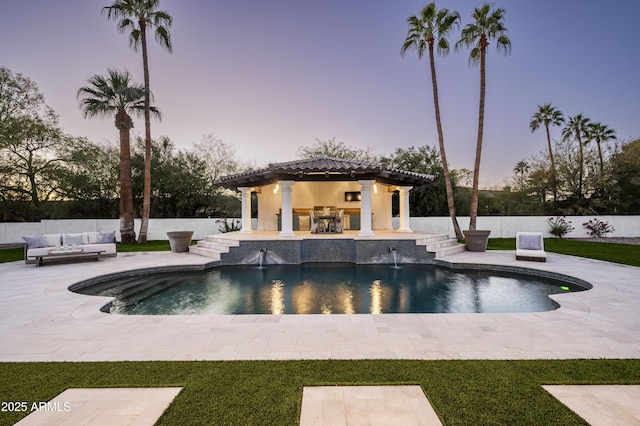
329	289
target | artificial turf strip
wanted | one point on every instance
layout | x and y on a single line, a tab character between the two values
626	254
270	392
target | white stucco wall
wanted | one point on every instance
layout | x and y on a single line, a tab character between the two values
507	226
500	226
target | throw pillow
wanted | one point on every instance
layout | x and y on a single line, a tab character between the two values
530	242
94	237
35	241
52	240
107	237
77	239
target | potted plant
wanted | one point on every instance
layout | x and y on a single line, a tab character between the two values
487	25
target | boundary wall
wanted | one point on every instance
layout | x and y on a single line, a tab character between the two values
500	226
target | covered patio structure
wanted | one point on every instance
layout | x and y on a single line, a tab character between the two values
287	192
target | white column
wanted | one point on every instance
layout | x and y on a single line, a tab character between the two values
246	209
365	208
287	208
404	209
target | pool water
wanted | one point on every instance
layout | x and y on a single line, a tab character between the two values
329	289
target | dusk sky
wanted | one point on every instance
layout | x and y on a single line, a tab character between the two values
269	76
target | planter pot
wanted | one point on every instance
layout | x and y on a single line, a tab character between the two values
180	241
476	240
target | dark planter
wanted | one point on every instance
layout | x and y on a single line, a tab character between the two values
476	240
180	241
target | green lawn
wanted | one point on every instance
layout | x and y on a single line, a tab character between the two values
270	392
626	254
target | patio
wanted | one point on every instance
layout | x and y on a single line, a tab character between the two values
42	321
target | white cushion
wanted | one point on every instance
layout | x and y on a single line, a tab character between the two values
530	242
93	237
52	239
78	239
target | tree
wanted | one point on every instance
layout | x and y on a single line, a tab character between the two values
577	127
430	201
599	132
487	25
548	115
521	168
333	149
626	172
433	26
20	102
115	94
135	16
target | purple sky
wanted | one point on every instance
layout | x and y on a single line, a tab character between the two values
270	76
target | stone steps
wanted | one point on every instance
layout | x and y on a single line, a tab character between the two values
441	245
213	246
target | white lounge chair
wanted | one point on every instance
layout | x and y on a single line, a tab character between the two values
530	246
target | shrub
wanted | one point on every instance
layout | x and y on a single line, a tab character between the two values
226	227
598	228
560	226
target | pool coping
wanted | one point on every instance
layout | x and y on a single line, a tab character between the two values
43	321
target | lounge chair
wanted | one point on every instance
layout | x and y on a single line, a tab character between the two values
530	246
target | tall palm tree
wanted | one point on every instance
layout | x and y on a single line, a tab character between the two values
521	168
424	31
548	115
487	25
115	94
599	132
578	127
135	16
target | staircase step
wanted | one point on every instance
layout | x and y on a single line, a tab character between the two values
446	251
221	240
442	244
202	251
432	239
220	248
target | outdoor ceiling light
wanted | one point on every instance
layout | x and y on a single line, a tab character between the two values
326	174
300	174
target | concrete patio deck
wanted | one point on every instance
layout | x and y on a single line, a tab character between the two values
40	320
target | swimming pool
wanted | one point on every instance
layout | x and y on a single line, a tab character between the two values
333	288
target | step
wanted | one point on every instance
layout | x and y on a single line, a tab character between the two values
220	248
446	251
442	244
216	238
202	251
432	239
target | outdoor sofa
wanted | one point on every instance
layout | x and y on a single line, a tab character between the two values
41	244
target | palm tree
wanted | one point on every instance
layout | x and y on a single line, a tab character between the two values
115	94
487	25
135	16
548	115
599	132
577	127
424	31
521	168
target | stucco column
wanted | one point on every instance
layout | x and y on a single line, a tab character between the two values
287	208
365	208
246	209
404	209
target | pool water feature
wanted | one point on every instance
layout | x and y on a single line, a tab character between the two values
328	289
